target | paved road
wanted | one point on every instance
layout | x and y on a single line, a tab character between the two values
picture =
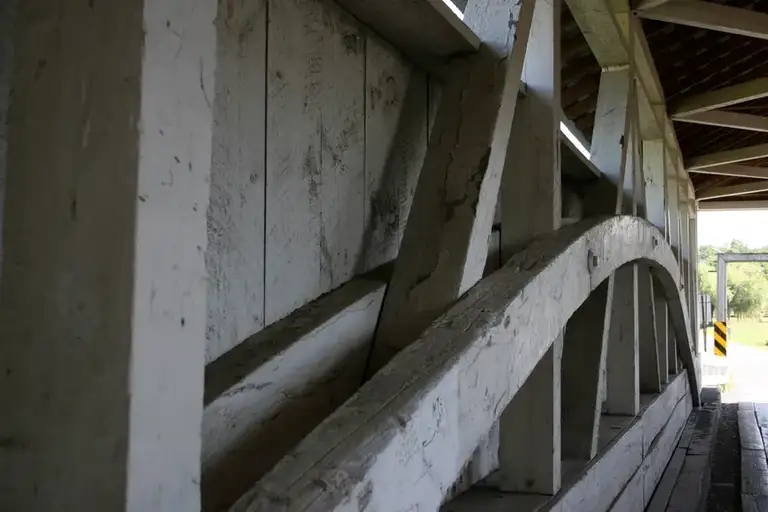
748	368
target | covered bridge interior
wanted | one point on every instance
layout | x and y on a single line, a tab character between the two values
310	255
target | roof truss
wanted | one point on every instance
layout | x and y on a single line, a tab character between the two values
735	190
727	157
720	98
711	16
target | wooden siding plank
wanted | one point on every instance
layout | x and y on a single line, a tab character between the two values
234	259
315	152
395	145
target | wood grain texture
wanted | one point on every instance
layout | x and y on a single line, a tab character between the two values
315	152
267	393
445	244
235	255
395	145
443	394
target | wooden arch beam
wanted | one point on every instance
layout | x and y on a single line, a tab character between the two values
440	396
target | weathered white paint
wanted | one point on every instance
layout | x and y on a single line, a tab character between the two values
711	16
102	311
270	391
530	432
531	186
662	332
426	412
638	492
655	183
395	144
720	98
609	154
235	255
531	205
445	243
614	35
424	30
315	152
649	372
624	470
583	362
622	361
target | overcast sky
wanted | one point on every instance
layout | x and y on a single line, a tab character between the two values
719	228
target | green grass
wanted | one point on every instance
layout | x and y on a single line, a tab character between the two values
752	333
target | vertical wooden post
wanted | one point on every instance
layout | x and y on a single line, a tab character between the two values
650	380
530	433
622	362
654	165
673	225
103	303
445	242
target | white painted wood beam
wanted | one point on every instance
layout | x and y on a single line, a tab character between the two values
648	369
602	32
734	190
731	156
445	242
647	4
606	27
720	98
717	206
623	476
744	171
103	316
251	393
424	30
531	205
711	16
727	119
583	366
445	392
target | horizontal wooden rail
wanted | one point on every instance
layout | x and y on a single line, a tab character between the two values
424	30
413	427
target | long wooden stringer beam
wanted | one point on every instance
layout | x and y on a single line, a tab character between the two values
721	98
735	190
727	119
711	16
730	156
743	171
442	395
445	243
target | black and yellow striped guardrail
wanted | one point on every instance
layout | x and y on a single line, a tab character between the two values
721	339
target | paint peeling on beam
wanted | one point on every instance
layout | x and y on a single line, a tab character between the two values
424	30
439	397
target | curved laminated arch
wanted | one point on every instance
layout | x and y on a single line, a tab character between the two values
412	428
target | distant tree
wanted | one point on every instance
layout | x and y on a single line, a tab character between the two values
747	287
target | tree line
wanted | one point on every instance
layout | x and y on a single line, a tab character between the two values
747	287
